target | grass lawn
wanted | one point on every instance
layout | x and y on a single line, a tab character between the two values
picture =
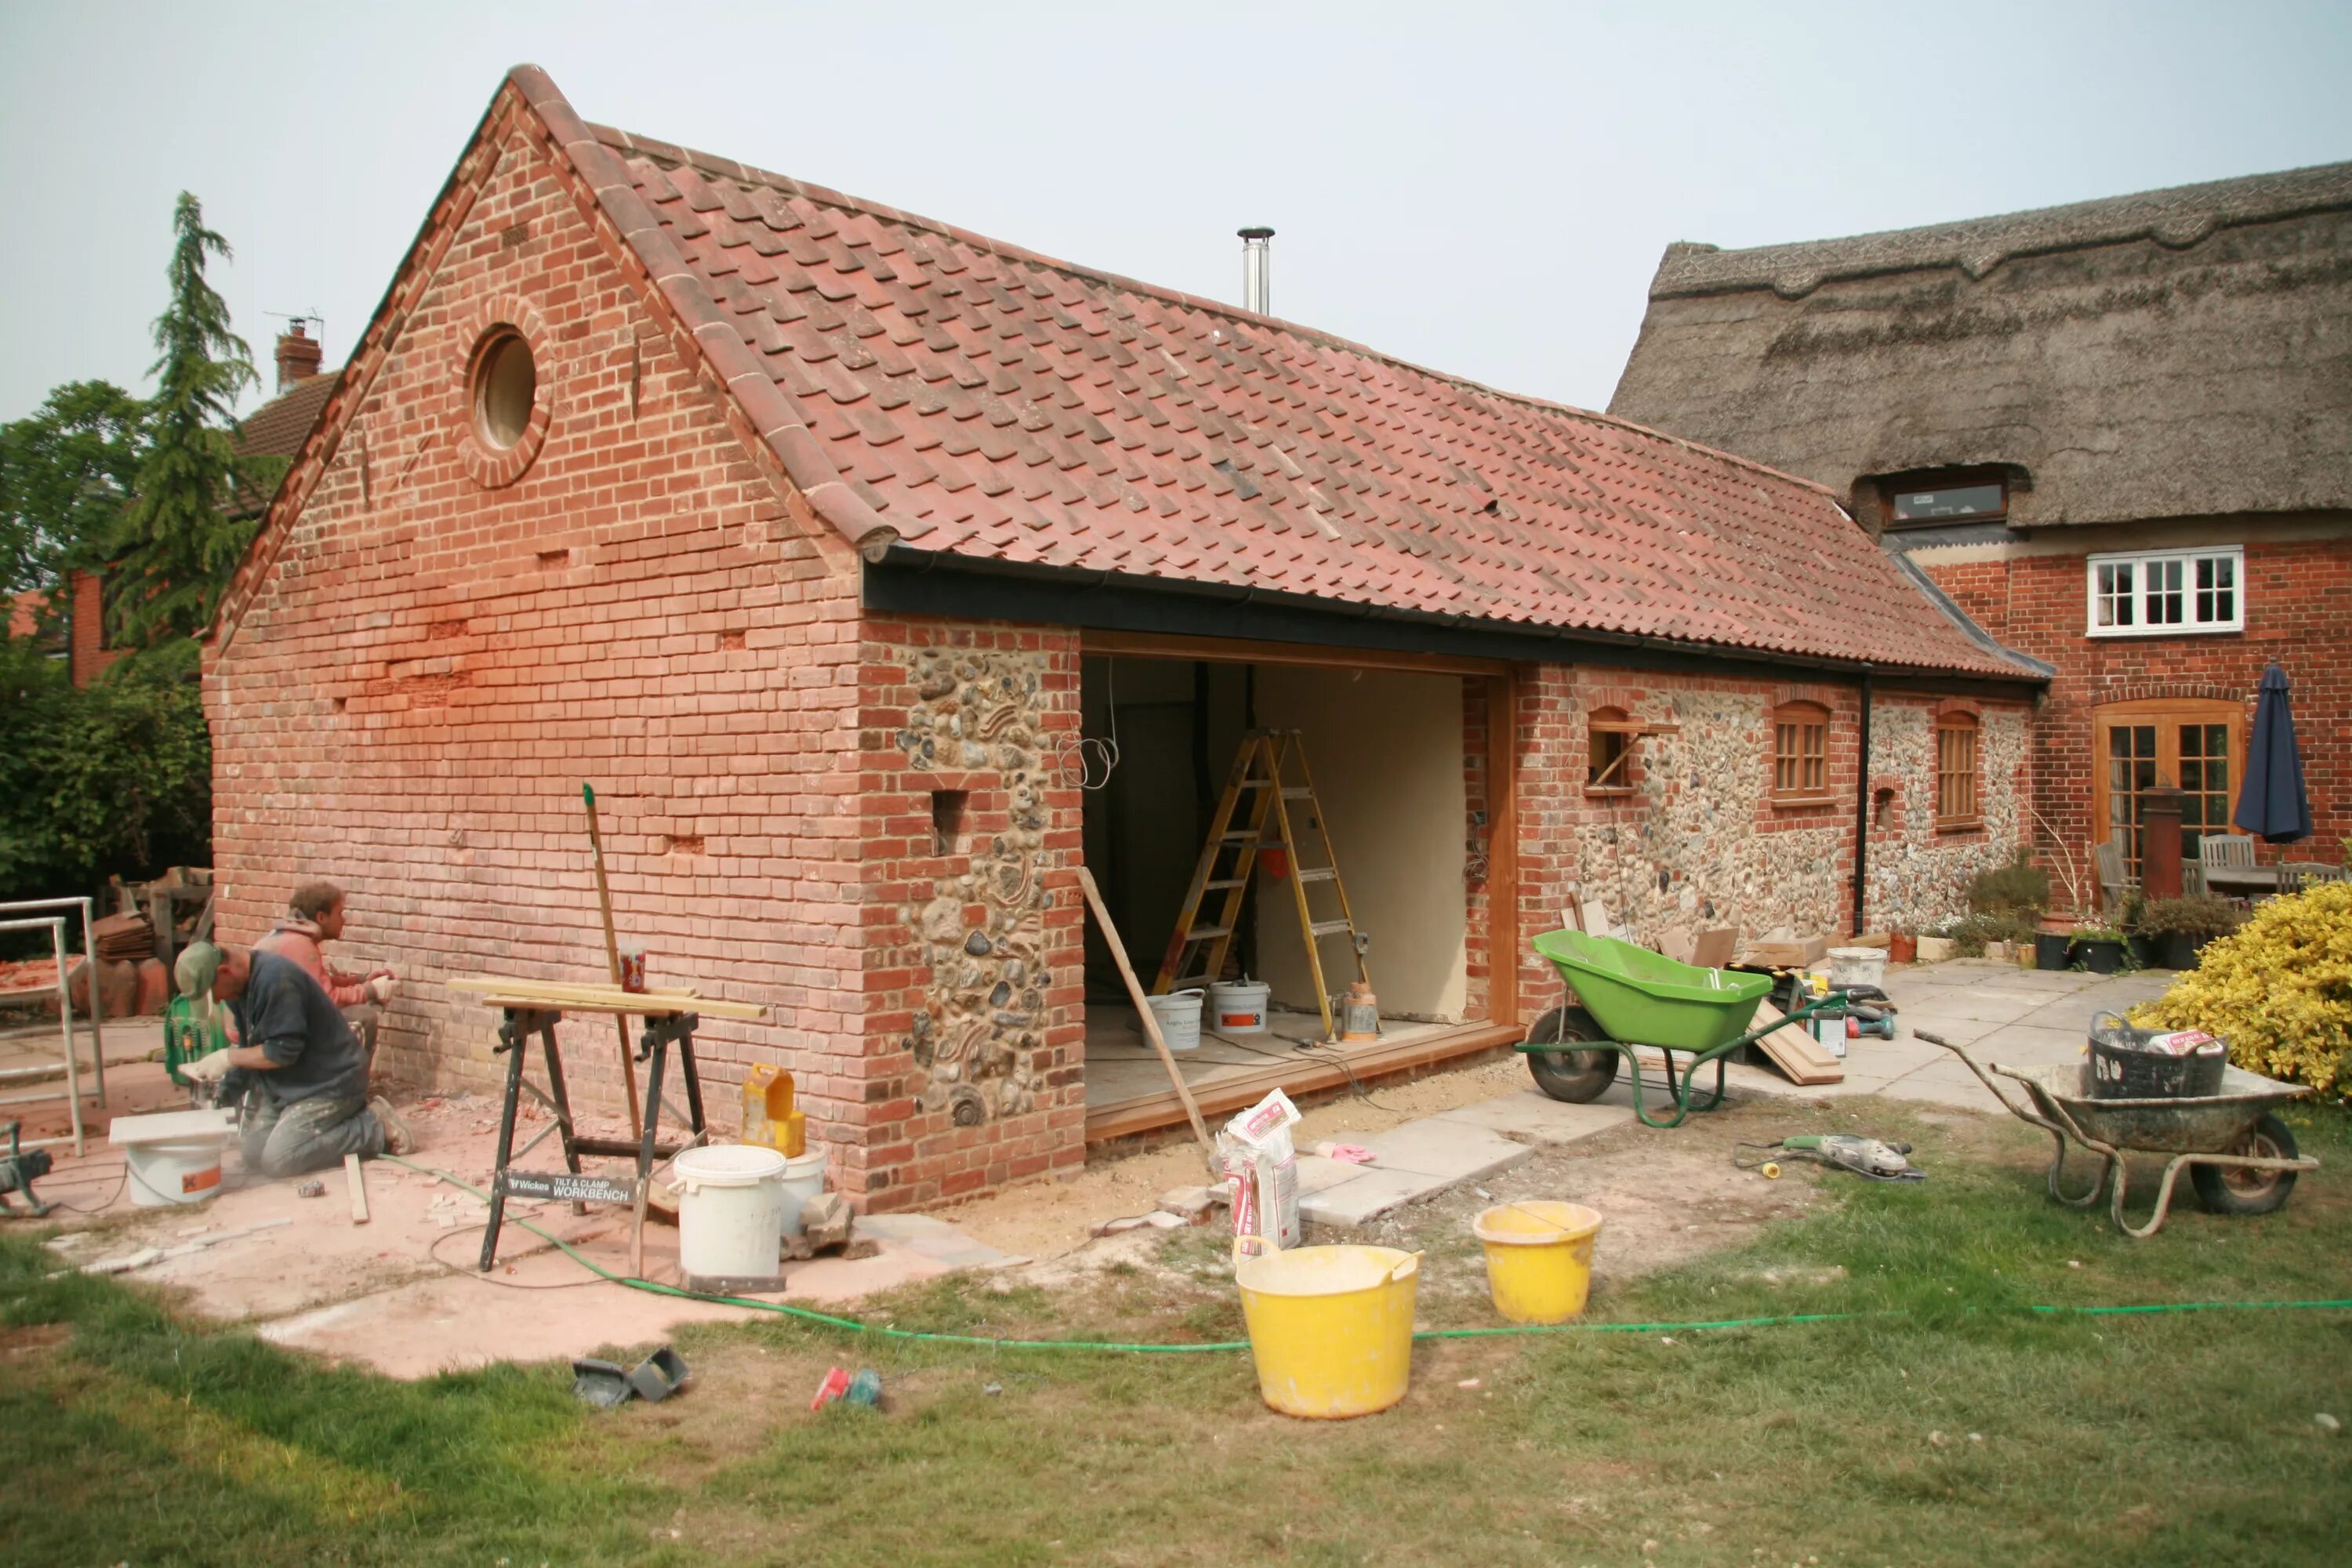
1950	1428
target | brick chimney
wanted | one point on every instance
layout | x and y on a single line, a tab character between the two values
298	355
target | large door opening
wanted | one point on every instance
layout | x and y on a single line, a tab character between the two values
1405	802
2195	744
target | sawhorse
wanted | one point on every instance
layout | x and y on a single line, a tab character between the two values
664	1028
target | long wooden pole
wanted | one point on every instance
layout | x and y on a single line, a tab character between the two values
612	959
1151	1021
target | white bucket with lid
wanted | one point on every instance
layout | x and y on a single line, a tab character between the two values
731	1211
175	1158
1178	1013
1238	1006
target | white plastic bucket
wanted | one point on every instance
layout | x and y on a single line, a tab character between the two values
1178	1013
175	1158
731	1211
1853	966
1238	1006
803	1178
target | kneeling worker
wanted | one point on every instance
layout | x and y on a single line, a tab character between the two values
300	1070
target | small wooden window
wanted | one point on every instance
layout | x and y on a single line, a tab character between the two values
1800	753
1956	771
1609	761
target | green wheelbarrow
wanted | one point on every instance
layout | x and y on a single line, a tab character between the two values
1627	996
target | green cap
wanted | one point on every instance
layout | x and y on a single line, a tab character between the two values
199	963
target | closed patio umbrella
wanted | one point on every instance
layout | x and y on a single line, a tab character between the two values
2273	805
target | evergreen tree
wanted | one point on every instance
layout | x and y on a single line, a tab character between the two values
177	544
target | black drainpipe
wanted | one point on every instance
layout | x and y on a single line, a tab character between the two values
1861	811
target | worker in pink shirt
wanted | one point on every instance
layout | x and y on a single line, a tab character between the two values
314	917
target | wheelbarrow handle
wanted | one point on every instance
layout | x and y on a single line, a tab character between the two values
1984	1072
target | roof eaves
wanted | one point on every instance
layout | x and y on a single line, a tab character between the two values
1961	618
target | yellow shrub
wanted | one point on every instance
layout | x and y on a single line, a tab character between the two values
2280	990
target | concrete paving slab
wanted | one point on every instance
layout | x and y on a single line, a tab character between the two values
1447	1151
1933	1020
1317	1174
2027	1045
1371	1195
935	1239
1534	1117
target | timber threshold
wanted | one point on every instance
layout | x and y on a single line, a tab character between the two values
1128	1091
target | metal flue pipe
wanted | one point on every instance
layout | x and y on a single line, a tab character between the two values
1256	262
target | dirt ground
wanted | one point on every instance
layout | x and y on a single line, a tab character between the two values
1046	1220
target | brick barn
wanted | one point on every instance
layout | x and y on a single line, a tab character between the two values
2116	433
879	576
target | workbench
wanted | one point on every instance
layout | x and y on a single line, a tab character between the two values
535	1008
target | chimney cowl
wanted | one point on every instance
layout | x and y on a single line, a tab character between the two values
1256	266
299	355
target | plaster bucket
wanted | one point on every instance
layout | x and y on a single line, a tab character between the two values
1179	1019
1853	966
803	1178
1539	1259
1329	1327
1238	1006
731	1213
175	1158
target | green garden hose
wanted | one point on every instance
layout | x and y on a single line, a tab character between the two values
1777	1321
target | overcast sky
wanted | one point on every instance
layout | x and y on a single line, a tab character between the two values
1477	188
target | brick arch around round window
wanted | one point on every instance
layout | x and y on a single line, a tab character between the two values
490	467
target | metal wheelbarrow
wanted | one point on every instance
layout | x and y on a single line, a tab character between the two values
2240	1156
1629	997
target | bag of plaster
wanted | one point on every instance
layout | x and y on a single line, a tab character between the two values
1262	1167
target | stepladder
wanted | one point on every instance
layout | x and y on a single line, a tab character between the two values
1270	819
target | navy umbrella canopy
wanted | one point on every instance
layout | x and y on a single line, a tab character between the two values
2273	805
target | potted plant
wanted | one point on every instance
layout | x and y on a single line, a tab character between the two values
2098	948
2146	947
2180	926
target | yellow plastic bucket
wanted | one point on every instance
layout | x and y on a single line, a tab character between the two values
1539	1259
1330	1326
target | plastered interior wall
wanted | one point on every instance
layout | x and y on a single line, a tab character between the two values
1386	751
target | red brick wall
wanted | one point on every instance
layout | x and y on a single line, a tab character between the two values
432	668
89	656
2298	613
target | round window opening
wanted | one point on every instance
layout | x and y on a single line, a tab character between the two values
506	382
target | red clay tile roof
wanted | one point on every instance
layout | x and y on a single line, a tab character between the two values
977	399
279	426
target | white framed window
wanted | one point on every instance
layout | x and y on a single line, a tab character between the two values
2164	593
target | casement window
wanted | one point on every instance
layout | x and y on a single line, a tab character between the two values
1609	764
2164	593
1800	753
1957	805
1968	498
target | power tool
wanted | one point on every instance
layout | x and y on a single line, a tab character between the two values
19	1169
1870	1157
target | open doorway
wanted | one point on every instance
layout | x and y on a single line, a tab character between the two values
1403	802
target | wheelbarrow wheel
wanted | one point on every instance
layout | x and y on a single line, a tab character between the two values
1575	1077
2228	1189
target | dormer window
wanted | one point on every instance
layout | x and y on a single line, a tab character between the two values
1960	498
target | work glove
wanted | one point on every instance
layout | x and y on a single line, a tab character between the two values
379	989
209	1069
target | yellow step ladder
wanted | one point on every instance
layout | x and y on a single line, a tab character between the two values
1196	951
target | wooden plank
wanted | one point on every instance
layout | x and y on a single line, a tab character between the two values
612	958
626	1003
1150	1020
1801	1057
1713	949
356	1180
505	986
1595	916
1311	1073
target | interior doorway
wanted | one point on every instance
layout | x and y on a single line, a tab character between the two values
1395	783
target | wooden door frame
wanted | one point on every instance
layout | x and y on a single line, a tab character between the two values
2159	711
1502	798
